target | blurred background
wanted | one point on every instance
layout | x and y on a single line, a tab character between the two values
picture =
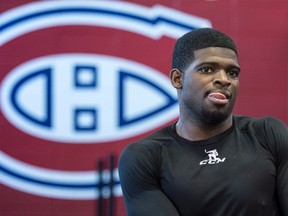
80	80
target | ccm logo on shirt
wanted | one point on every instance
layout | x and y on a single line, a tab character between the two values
213	159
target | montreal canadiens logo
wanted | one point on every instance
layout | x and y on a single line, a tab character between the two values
78	97
36	93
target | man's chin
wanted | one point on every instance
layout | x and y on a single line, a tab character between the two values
215	117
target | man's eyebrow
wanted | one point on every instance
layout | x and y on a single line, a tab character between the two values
236	66
207	62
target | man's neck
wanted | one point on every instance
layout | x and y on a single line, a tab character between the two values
194	131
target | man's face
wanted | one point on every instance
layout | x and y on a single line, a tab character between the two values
210	85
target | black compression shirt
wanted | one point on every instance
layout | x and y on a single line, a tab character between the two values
241	172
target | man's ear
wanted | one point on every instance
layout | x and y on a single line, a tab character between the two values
176	77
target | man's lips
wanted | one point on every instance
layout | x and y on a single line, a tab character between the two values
219	98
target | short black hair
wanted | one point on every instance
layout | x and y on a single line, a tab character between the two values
183	54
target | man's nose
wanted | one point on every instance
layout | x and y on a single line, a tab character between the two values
221	78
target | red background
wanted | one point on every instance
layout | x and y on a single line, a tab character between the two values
259	28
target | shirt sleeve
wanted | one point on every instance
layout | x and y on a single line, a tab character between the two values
139	172
276	133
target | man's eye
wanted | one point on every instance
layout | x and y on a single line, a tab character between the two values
234	74
206	69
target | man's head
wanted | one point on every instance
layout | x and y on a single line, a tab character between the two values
197	39
205	73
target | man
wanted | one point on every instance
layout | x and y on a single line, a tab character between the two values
210	162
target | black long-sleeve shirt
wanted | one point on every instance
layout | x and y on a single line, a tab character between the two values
240	172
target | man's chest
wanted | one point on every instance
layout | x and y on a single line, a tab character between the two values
241	172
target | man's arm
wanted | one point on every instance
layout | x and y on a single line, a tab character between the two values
277	135
282	168
139	171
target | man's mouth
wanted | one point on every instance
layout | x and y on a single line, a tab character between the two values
219	98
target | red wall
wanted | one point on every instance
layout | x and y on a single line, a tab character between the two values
260	29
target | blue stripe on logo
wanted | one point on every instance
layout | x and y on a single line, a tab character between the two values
56	184
151	21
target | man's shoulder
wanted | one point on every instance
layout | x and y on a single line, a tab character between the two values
146	150
247	121
153	141
258	125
